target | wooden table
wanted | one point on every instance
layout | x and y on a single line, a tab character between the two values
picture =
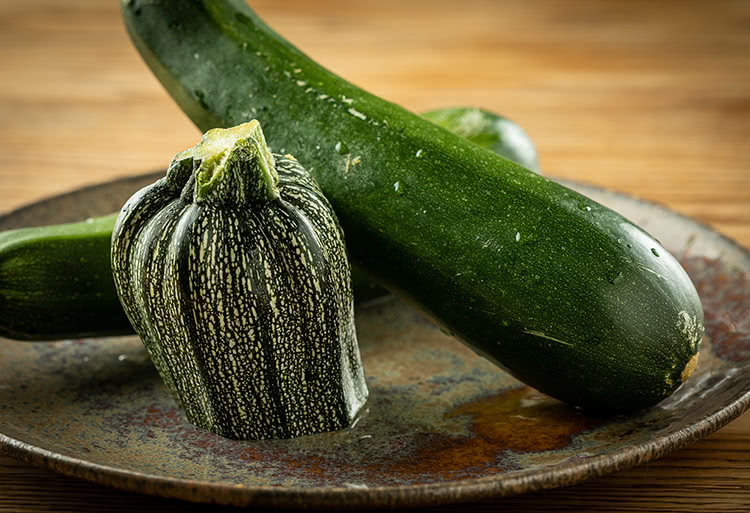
649	98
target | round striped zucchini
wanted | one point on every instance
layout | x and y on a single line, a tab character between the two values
234	273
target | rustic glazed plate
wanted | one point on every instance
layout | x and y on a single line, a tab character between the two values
442	424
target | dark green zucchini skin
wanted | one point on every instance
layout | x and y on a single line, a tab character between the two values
234	273
56	282
566	294
483	128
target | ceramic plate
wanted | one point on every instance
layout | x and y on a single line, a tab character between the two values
441	425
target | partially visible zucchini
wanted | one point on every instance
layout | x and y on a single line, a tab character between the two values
490	131
55	280
566	294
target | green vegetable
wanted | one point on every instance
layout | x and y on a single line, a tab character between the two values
56	282
490	131
566	294
38	302
234	273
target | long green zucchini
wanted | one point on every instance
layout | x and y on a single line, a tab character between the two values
566	294
53	278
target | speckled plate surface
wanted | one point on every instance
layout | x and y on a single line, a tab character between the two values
442	425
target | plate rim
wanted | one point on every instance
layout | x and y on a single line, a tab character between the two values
395	496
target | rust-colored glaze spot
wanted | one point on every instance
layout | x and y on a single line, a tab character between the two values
689	367
449	458
505	420
249	454
725	295
518	420
309	464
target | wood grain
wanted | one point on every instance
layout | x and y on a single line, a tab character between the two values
649	98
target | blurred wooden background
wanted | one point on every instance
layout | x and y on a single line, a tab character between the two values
648	98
